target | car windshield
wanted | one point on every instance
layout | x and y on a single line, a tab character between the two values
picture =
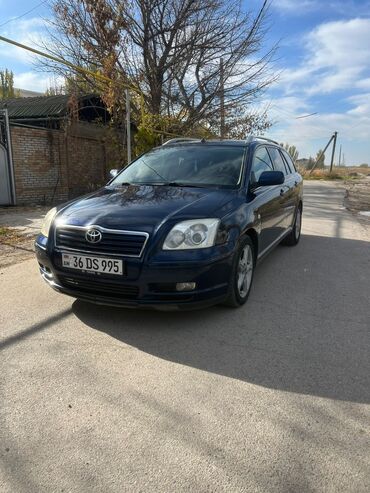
191	165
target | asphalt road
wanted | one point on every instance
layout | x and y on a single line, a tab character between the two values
273	397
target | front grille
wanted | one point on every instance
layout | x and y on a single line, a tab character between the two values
125	243
100	287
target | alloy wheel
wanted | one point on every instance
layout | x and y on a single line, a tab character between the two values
245	271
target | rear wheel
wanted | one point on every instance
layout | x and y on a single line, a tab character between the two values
242	273
294	236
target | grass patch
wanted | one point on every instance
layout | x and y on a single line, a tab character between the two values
4	231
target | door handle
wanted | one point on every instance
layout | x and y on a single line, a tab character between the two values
282	192
296	184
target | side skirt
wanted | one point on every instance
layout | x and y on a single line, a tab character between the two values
274	243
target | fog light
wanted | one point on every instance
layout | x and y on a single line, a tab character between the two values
185	286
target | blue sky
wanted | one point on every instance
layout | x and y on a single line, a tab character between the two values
324	59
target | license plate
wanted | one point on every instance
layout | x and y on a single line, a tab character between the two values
92	264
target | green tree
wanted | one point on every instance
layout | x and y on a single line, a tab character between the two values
7	84
291	150
320	163
55	90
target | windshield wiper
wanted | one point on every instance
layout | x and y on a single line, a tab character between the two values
179	184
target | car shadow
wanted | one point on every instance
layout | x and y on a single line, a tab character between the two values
305	328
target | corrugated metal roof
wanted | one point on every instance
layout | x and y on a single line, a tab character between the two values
38	107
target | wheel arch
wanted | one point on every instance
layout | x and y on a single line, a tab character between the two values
253	235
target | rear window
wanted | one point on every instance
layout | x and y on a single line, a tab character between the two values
277	160
288	160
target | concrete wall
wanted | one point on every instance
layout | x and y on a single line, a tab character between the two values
52	166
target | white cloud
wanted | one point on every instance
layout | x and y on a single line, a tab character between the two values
29	32
343	7
336	58
363	84
336	62
312	134
295	6
32	81
362	106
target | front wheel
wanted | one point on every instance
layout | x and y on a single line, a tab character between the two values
242	274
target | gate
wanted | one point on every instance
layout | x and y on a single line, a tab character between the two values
7	184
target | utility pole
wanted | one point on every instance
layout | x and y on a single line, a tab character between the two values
333	152
128	125
222	100
321	154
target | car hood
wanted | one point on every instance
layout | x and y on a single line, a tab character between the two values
145	207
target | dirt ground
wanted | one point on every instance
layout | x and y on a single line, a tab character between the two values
19	227
358	196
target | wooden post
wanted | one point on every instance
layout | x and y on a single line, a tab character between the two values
222	100
321	154
333	152
128	125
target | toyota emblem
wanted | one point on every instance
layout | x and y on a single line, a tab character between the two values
93	236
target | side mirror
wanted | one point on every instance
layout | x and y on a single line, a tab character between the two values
269	178
113	173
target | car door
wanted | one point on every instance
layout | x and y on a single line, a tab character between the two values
267	200
293	182
286	189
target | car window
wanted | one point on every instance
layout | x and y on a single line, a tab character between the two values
193	165
277	160
261	162
288	160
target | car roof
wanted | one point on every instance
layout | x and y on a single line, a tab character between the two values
223	142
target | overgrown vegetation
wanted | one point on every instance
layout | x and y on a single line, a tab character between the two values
337	173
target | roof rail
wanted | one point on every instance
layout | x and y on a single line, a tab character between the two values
178	140
251	138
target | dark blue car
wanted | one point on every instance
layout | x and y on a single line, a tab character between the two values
183	226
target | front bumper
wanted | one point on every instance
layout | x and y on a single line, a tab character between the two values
147	285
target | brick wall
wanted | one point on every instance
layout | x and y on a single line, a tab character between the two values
52	166
86	159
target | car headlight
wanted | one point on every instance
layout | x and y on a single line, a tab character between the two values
188	235
48	219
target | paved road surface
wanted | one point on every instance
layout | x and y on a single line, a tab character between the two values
273	397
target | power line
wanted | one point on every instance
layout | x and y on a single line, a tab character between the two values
305	116
24	14
57	60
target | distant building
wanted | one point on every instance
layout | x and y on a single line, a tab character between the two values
53	111
303	162
58	148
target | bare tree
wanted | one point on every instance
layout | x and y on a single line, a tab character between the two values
169	52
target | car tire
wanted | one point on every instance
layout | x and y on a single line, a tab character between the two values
293	237
242	273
